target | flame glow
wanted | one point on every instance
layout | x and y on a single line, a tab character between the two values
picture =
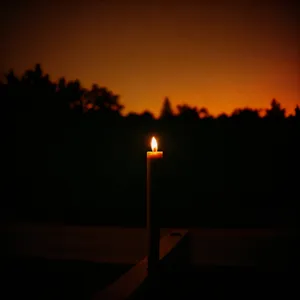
154	144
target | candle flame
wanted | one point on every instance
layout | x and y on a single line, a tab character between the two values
154	144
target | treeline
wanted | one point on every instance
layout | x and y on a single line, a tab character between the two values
36	94
72	156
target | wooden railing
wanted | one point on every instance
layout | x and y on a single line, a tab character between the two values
135	279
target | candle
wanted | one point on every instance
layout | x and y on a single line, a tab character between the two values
154	154
153	228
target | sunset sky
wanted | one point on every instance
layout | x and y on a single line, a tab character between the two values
214	53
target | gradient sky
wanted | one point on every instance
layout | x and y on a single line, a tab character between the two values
217	54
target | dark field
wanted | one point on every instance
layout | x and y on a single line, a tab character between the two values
224	282
220	263
214	173
36	278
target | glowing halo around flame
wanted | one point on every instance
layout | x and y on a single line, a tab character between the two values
154	144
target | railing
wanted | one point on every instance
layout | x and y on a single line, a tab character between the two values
136	280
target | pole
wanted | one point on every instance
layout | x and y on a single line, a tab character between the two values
153	230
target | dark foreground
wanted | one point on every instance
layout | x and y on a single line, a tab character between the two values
52	279
216	282
45	279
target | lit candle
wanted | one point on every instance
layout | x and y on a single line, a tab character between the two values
154	154
153	228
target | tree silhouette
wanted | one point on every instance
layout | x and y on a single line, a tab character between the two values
132	115
166	111
276	112
32	93
246	114
297	112
14	92
147	116
4	103
222	117
203	113
42	91
188	113
36	94
69	95
11	78
102	100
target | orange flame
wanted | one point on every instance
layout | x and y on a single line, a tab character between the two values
154	144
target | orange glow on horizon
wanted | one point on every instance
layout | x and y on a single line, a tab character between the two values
221	55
